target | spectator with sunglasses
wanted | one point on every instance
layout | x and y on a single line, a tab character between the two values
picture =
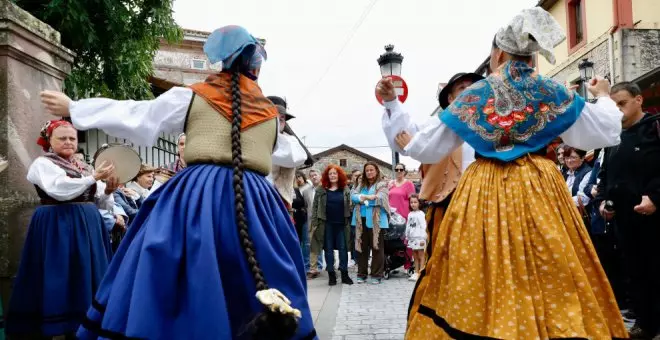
400	191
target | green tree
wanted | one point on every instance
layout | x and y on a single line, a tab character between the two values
115	42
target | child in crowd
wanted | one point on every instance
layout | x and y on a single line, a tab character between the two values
416	234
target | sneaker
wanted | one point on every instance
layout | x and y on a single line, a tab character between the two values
375	281
413	277
361	280
630	315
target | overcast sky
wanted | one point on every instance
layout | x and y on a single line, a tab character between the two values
322	55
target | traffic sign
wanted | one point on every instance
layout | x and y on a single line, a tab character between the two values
400	87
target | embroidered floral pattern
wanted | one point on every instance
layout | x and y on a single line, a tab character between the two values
512	107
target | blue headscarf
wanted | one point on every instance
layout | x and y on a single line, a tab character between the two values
232	43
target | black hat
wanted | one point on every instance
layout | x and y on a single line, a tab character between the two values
279	101
443	97
282	110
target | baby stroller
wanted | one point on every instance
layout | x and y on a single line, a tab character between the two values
395	249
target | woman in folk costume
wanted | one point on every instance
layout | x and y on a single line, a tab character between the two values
212	254
283	176
513	259
67	249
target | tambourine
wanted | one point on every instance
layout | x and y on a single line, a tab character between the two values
126	160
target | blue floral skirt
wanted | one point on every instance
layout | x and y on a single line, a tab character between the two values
65	256
180	271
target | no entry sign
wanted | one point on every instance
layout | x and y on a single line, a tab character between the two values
400	87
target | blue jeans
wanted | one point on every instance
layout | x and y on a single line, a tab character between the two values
335	239
306	249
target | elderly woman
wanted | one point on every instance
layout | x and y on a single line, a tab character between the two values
212	254
513	259
180	160
142	182
577	174
330	226
67	249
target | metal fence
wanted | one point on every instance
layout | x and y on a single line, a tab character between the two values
161	154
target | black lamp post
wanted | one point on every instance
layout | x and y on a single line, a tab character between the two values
390	62
390	65
586	68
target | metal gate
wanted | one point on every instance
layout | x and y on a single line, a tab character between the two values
161	154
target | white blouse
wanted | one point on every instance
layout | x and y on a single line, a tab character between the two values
598	126
142	192
142	121
53	180
570	180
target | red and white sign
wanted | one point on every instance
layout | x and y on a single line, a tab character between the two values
400	87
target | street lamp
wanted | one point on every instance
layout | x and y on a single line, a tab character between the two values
586	68
390	62
390	65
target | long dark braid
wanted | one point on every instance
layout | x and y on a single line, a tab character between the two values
268	324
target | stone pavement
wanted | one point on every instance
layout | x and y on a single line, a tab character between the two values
369	311
323	302
364	311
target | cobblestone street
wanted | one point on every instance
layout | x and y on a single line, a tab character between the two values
369	311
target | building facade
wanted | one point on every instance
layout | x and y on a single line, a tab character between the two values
349	159
183	63
620	37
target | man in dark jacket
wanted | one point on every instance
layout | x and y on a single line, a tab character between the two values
628	192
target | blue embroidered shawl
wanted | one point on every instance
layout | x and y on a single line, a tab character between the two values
510	114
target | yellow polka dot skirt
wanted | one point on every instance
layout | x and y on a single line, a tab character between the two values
512	259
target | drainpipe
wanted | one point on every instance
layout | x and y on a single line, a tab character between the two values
610	53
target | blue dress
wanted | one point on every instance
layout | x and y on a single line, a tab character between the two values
181	273
65	256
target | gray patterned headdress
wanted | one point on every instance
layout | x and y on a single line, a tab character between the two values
532	30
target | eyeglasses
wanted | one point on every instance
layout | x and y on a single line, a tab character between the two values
399	170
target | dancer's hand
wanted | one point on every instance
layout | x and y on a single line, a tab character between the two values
111	184
599	87
403	139
56	103
385	89
104	171
570	87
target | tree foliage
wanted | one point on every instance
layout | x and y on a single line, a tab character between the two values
115	42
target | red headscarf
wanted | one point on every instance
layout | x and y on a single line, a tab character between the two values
47	131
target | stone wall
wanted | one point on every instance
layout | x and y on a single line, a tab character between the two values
599	55
634	53
640	52
31	60
353	162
